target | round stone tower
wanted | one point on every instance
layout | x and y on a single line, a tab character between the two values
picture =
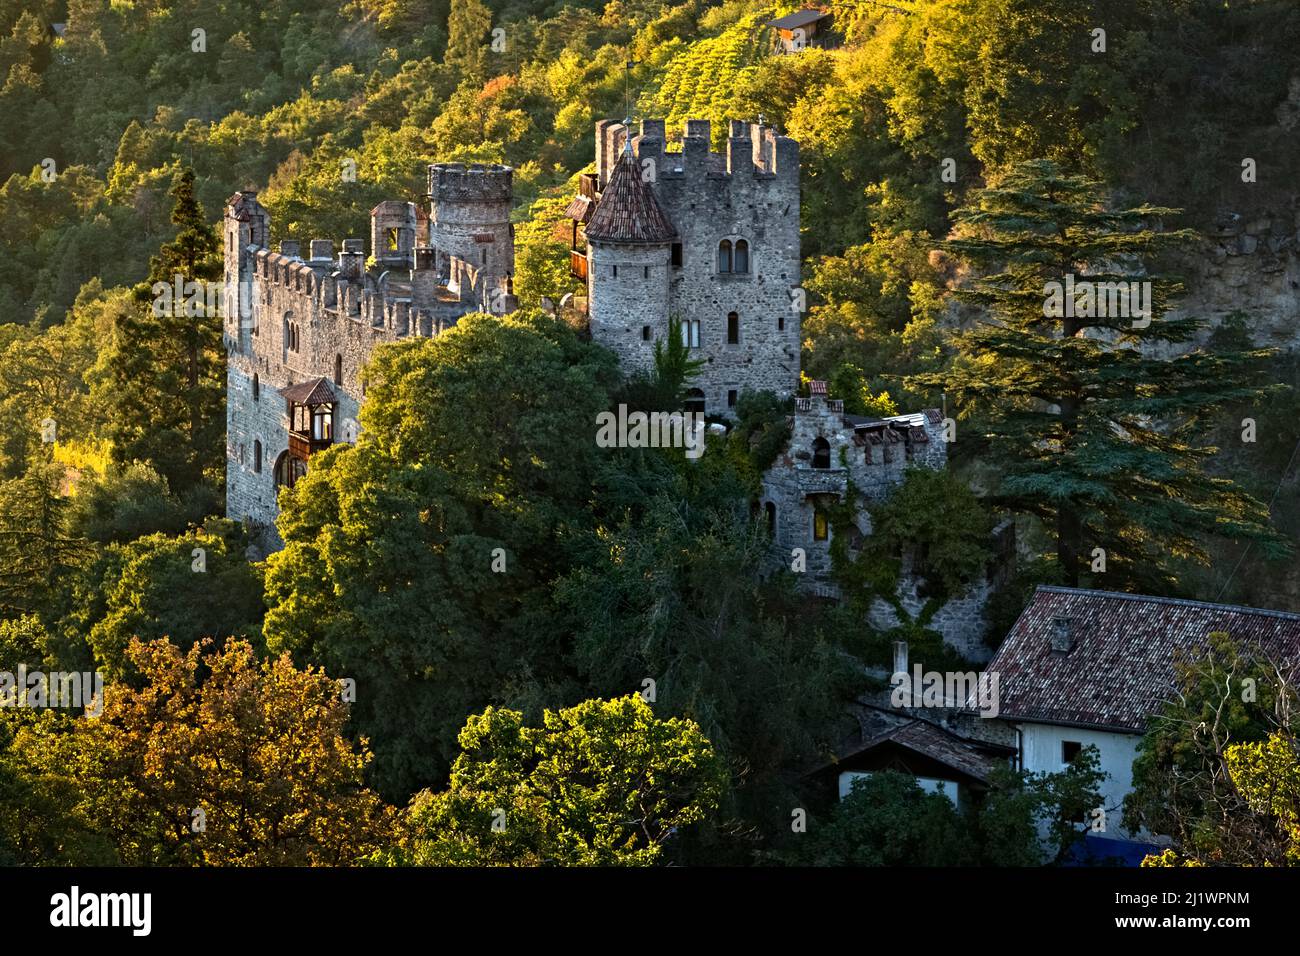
629	249
469	215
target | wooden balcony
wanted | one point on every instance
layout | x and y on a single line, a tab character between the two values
578	264
301	445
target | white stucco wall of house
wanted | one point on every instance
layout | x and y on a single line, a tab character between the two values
1041	750
948	788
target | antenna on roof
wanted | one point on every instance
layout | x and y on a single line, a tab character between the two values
627	91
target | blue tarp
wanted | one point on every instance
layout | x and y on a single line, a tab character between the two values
1102	851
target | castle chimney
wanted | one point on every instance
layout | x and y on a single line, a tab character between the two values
1062	637
289	247
352	258
900	657
424	278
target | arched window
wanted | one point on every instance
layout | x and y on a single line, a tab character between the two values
724	255
338	370
742	256
733	328
288	470
257	387
770	508
821	453
695	401
257	456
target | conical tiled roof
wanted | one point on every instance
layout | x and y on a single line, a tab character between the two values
628	210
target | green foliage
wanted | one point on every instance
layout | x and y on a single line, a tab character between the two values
542	259
36	551
1220	740
477	451
933	527
1031	818
1021	820
185	588
700	82
887	820
670	588
164	385
129	503
605	783
1095	436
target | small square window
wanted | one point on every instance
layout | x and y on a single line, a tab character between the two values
1069	750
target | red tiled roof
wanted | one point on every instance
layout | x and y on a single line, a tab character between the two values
314	391
874	726
242	204
628	210
580	209
1120	669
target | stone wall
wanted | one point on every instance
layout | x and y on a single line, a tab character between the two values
750	193
290	320
873	455
469	215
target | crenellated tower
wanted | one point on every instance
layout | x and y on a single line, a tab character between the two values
709	238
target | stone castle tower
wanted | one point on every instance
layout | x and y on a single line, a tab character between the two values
299	329
709	239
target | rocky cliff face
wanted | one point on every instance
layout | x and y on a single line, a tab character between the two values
1250	264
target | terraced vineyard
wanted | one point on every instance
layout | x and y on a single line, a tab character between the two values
699	83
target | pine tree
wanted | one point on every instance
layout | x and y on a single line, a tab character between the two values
166	365
467	29
1103	438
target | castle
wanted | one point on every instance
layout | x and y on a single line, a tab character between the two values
707	239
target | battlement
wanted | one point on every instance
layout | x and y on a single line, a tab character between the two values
477	182
753	150
399	300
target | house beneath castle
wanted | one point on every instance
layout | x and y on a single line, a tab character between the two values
1087	668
